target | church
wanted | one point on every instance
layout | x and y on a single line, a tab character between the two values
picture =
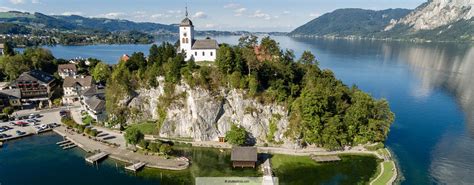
199	50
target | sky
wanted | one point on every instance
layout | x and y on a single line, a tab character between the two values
229	15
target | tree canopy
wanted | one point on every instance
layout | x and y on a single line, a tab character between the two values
236	136
322	110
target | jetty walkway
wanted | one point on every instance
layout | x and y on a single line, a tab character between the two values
120	153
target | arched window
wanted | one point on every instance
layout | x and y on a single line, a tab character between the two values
184	41
203	53
187	41
211	53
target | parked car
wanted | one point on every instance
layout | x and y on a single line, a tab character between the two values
2	136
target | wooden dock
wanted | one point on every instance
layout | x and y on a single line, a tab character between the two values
96	157
325	158
69	147
63	142
135	167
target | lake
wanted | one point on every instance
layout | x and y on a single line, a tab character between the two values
430	88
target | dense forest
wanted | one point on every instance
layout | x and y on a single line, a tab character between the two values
323	111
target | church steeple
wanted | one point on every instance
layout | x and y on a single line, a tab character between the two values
186	11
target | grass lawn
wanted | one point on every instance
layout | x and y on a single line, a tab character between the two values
352	169
387	173
148	128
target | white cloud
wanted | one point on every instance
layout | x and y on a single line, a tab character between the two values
35	1
112	15
200	15
314	14
210	26
71	13
260	14
240	11
174	11
17	1
286	12
6	9
231	5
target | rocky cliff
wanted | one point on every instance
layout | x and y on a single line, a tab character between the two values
436	13
204	115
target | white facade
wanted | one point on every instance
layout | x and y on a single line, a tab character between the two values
204	54
199	50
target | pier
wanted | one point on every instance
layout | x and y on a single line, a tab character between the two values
135	167
96	157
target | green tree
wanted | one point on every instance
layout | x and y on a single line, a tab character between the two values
236	136
101	72
8	110
133	136
225	59
154	55
8	49
165	148
154	147
307	58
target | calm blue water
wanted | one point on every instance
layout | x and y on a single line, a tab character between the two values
430	88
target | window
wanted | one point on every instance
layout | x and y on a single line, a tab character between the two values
196	53
184	41
211	54
187	41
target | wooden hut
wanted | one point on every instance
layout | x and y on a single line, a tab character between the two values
244	157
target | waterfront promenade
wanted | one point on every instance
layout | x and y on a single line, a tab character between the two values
119	153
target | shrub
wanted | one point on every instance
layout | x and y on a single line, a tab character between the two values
133	136
154	147
165	148
143	143
236	136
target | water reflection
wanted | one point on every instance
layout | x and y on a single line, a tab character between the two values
449	67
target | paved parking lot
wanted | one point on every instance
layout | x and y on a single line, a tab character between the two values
47	117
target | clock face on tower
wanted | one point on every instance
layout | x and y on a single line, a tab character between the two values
185	34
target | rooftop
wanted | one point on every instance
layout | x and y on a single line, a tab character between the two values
244	154
95	104
205	44
36	75
63	67
186	22
16	93
93	91
82	81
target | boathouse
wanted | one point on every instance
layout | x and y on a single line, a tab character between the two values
244	157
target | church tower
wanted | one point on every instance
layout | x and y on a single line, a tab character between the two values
186	35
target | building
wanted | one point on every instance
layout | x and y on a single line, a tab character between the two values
244	157
36	87
65	70
10	98
1	49
199	50
74	86
93	102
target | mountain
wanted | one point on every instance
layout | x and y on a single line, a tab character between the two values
21	21
436	13
350	22
435	20
75	22
438	20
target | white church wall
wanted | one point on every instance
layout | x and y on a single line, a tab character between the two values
204	55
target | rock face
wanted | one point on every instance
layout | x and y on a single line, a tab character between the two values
436	13
205	116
